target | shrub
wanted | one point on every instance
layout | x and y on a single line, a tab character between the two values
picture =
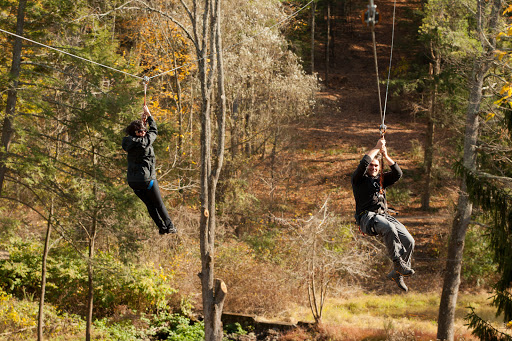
142	287
175	327
19	317
478	264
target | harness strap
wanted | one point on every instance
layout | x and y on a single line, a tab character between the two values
151	184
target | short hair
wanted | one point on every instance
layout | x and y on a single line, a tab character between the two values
134	127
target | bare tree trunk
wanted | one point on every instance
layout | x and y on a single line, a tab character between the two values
90	262
247	134
213	290
313	12
40	316
90	274
445	330
12	93
435	69
328	42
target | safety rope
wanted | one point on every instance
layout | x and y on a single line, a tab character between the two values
371	18
145	81
389	69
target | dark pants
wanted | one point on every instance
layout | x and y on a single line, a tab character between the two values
398	241
153	200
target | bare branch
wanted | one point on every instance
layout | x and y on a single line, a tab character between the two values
174	20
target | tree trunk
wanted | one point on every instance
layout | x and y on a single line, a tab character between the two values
313	12
481	66
12	93
451	282
213	290
90	263
90	274
328	43
435	69
247	133
40	316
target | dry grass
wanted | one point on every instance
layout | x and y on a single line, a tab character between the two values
390	317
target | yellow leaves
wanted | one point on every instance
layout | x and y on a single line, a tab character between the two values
500	54
506	91
489	116
506	33
508	10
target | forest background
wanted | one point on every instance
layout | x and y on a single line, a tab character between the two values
302	109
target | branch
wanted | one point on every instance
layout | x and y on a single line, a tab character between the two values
494	177
103	14
18	331
24	204
175	21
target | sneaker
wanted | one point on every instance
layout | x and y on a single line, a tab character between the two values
168	229
402	268
171	228
398	279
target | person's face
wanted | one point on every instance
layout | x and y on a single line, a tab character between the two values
373	168
140	132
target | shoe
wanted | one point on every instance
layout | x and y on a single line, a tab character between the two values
171	228
402	268
398	279
168	229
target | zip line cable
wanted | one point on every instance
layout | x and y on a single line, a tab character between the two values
146	78
390	61
371	18
70	54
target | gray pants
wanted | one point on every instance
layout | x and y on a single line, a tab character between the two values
398	241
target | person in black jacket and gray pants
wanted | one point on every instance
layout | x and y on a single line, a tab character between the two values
372	214
141	174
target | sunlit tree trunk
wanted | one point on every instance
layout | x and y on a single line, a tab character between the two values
481	66
213	290
90	262
313	12
40	316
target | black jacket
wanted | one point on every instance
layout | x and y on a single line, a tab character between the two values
141	156
366	189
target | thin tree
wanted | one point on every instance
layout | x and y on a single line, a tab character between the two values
328	42
481	66
205	35
321	254
40	315
313	25
12	93
214	290
428	159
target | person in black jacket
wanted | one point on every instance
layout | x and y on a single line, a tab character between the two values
372	211
141	174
